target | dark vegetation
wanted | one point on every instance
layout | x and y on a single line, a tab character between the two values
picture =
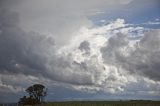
97	103
106	103
36	92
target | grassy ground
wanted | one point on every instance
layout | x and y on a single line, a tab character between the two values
105	103
97	103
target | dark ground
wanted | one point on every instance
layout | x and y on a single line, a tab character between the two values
98	103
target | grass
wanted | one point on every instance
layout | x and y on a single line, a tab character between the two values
105	103
98	103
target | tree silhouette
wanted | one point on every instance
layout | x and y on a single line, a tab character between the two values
36	92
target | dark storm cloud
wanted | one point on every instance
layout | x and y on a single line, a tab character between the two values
8	4
16	46
33	54
144	60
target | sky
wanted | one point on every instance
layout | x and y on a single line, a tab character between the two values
80	49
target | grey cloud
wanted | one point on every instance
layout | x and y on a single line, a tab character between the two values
34	54
82	65
85	47
144	60
112	51
64	70
6	4
60	17
16	47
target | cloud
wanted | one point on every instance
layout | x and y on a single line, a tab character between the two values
106	69
115	63
114	48
84	46
30	53
17	52
36	56
142	59
61	18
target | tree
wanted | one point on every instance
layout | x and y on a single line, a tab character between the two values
36	92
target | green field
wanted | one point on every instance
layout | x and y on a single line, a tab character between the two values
105	103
